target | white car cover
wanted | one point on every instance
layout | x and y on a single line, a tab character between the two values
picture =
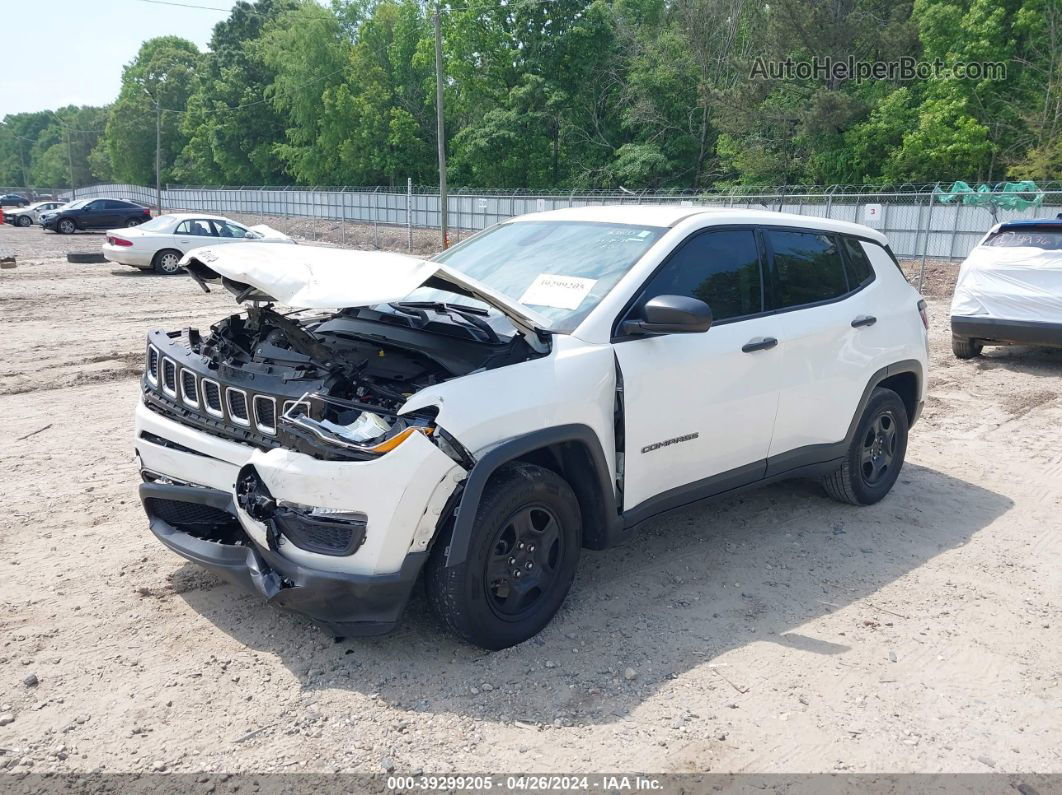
1010	283
269	233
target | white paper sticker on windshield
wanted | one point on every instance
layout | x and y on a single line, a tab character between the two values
557	291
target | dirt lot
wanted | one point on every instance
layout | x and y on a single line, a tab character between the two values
776	631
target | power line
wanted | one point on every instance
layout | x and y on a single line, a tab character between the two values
185	5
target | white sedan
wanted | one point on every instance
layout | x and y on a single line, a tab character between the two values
28	216
160	243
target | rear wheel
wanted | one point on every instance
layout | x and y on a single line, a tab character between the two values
132	222
167	262
965	348
876	453
24	220
66	227
520	564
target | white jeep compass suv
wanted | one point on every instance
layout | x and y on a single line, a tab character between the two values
542	387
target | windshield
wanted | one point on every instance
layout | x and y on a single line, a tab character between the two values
155	224
560	269
76	205
1048	238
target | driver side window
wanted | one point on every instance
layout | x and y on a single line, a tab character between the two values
721	268
225	229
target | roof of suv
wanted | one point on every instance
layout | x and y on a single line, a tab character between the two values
673	214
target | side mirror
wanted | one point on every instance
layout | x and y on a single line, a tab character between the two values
672	314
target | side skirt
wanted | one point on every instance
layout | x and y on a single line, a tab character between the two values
806	462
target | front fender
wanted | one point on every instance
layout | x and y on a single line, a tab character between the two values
599	484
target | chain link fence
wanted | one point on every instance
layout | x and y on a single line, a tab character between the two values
916	222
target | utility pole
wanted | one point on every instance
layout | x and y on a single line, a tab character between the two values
441	128
70	163
158	145
158	156
22	161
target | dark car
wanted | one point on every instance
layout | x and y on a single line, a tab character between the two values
13	200
95	214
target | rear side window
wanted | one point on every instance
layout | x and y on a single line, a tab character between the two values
808	267
860	271
721	268
198	228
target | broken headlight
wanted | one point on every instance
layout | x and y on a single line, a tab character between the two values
347	425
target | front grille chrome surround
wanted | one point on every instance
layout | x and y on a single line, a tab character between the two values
265	413
212	398
189	389
169	377
236	402
290	404
152	370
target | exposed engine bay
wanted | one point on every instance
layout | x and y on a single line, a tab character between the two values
330	385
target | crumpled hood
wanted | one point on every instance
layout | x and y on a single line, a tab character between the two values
1019	283
313	277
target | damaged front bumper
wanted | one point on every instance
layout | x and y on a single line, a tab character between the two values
389	508
346	604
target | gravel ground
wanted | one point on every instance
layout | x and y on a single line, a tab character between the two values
774	631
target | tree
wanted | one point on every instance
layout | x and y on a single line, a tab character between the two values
309	52
231	124
162	72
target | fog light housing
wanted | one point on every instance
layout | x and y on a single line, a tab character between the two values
324	531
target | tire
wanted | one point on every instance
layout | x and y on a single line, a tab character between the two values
876	454
23	220
132	222
166	261
965	348
85	257
65	226
484	600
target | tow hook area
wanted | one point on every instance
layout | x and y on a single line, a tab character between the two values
253	496
314	529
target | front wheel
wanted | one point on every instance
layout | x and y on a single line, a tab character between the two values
167	262
24	220
876	453
66	227
521	559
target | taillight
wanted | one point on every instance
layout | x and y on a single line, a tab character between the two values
922	313
118	241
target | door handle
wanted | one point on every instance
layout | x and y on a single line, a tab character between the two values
759	344
864	320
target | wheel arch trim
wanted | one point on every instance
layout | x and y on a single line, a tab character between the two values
512	449
912	366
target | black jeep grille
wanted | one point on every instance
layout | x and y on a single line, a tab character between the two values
169	375
237	405
212	396
265	414
188	390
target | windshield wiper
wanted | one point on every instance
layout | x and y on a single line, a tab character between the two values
473	315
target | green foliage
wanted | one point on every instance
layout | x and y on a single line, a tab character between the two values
231	125
40	148
162	72
573	94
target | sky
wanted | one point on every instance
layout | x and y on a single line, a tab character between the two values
71	52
